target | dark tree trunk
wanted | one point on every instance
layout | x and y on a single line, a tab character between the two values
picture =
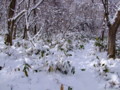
112	36
11	32
14	33
25	33
11	22
35	29
34	11
102	35
111	44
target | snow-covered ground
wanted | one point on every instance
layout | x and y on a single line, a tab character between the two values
86	76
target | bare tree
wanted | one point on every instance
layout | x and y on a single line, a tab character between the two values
27	15
112	28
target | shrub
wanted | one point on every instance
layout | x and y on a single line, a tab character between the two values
100	44
63	67
26	69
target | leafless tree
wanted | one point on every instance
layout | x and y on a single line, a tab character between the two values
112	28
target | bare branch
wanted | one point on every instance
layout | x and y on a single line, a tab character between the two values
32	8
20	2
106	12
17	16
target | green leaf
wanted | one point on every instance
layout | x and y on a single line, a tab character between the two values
97	57
69	41
49	41
83	69
18	69
106	70
27	65
50	69
69	88
42	53
62	49
36	71
26	74
103	64
69	54
81	46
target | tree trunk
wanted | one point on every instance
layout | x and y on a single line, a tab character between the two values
102	35
11	12
111	43
112	36
34	11
25	33
14	33
11	31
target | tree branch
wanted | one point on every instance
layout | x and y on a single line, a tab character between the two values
17	16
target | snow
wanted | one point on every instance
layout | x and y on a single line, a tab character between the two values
85	77
119	9
115	16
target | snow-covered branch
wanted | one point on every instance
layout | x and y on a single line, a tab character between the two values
17	16
34	7
112	21
20	2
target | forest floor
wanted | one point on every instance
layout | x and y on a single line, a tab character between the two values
21	71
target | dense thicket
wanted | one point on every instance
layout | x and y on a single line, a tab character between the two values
47	18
